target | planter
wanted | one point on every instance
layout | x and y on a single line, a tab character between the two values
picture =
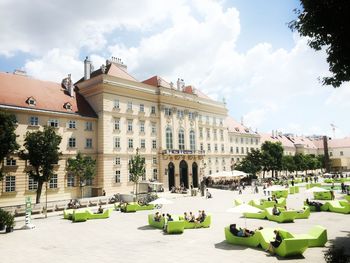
9	229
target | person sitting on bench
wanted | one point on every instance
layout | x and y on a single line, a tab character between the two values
275	211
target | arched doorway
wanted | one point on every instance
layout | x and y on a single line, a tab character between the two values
184	173
171	175
195	174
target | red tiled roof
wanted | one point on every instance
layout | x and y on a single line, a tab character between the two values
50	96
279	138
335	143
235	126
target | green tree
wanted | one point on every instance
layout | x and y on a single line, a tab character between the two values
42	152
8	144
321	164
136	169
251	164
325	23
300	163
82	167
272	153
288	164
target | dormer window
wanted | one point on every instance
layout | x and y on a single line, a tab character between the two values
67	106
237	130
31	101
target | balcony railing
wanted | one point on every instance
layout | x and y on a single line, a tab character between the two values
173	151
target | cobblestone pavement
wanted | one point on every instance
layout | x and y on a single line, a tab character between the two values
128	238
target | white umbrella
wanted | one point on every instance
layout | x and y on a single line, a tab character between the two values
316	189
327	174
161	201
243	208
238	173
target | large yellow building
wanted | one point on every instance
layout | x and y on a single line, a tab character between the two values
108	114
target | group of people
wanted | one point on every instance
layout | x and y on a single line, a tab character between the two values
190	217
317	205
73	204
178	190
244	232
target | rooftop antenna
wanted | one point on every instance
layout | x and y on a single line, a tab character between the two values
333	128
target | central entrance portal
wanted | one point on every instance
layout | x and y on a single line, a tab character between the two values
184	173
171	175
195	175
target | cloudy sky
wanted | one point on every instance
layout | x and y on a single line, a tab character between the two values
239	50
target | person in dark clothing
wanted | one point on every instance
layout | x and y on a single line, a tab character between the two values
276	243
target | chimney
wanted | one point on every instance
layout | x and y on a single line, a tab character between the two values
180	84
87	68
70	86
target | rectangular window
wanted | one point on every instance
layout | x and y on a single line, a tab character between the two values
72	124
237	149
221	121
88	126
10	183
72	143
209	147
88	143
222	147
180	114
207	119
130	143
117	161
201	132
247	150
117	142
330	154
155	174
242	140
154	128
117	176
32	184
208	133
154	160
53	181
221	135
242	150
154	144
34	121
116	104
191	115
231	149
256	141
215	134
216	147
11	162
341	153
117	124
129	125
153	110
142	143
199	118
53	123
70	180
142	108
129	106
167	112
142	126
201	147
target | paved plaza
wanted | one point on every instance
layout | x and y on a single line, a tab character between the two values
126	237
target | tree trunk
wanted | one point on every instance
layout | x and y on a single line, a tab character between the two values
263	174
38	191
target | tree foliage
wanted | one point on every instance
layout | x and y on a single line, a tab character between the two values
42	152
136	169
82	167
326	24
8	144
252	163
272	153
288	163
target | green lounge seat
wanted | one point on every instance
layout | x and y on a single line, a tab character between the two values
289	246
308	186
261	203
67	213
281	202
283	217
339	206
144	207
328	181
324	207
237	202
79	216
317	236
252	241
104	215
347	198
259	215
129	208
323	195
303	214
190	225
154	223
294	189
175	227
280	193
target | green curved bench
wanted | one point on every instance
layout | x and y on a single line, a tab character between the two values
259	215
252	241
328	181
104	215
323	195
154	223
347	198
175	227
324	207
283	217
67	213
133	207
190	225
144	207
317	236
280	193
304	214
79	216
310	185
293	189
290	246
340	206
237	202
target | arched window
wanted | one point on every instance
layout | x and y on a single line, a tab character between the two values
169	138
181	139
192	141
